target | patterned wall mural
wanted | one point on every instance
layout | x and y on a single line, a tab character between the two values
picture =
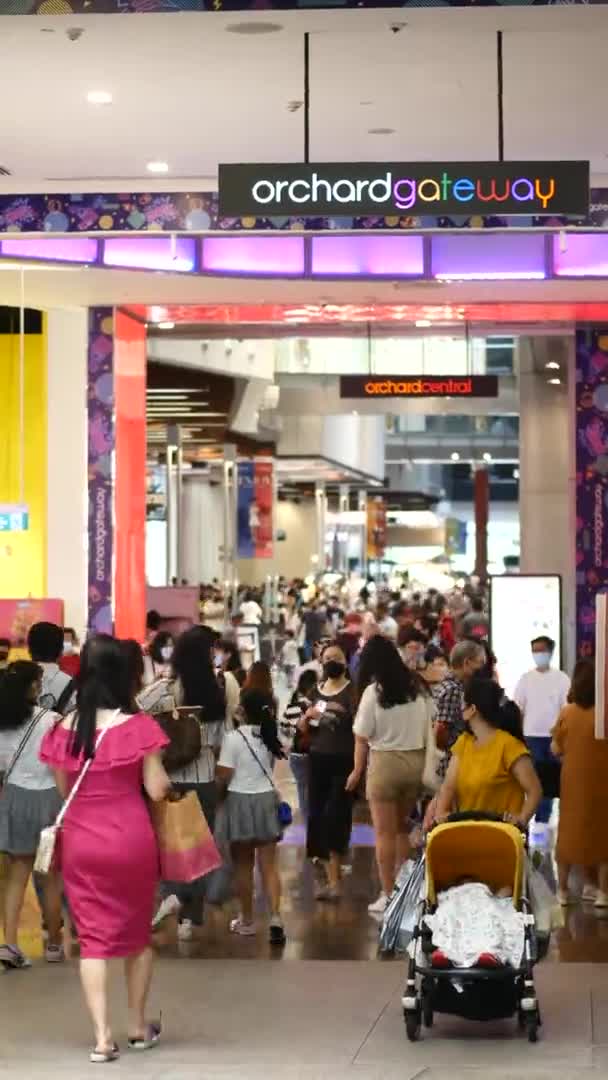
144	7
591	479
100	416
198	212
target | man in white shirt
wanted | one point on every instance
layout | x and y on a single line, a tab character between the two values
251	611
541	695
45	642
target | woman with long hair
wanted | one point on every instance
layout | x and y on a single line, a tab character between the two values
329	725
392	725
259	677
109	855
29	802
245	771
192	682
490	768
581	841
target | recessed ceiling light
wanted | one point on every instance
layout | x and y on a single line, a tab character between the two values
99	97
366	103
381	131
165	325
455	456
254	27
157	167
552	364
422	322
555	382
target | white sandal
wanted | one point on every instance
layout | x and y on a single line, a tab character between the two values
104	1057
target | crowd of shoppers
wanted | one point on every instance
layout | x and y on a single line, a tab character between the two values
383	686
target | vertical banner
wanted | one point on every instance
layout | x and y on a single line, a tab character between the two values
254	509
481	494
100	416
601	665
376	527
591	480
130	477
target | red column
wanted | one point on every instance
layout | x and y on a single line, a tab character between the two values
482	511
130	474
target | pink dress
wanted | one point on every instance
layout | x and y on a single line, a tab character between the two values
108	851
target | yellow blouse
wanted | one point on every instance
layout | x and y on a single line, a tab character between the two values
485	780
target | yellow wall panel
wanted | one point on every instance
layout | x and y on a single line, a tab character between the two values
23	555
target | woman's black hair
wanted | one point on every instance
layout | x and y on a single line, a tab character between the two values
105	682
232	661
158	642
135	660
493	706
381	664
308	681
15	683
259	711
434	652
191	664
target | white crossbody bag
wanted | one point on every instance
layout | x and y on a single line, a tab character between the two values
47	844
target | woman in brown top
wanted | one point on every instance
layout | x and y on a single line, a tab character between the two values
582	840
329	723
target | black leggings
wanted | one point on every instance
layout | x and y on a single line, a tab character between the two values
330	814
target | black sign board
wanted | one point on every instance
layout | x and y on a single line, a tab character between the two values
367	188
418	386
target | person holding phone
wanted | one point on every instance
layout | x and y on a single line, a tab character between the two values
329	723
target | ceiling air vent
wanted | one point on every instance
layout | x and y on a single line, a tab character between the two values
5	172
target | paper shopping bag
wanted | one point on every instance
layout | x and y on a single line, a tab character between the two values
186	846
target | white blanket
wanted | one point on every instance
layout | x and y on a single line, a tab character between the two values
470	921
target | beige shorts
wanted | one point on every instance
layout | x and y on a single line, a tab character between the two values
395	774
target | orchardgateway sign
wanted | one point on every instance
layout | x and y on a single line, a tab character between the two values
417	386
367	188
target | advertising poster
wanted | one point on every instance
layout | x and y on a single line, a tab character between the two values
532	604
17	616
376	527
254	509
591	479
100	409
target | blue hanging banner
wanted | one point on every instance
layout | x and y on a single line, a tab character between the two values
246	510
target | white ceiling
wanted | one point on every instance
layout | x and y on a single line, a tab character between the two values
188	92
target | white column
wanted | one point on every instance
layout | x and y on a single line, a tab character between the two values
67	463
547	470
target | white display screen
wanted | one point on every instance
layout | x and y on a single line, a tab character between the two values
523	607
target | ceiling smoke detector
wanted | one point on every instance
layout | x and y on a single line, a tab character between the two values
4	171
381	131
294	106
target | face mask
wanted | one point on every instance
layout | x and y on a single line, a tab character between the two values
166	652
68	648
333	669
218	660
541	659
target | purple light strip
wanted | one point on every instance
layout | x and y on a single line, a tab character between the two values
368	256
78	249
177	253
254	255
580	255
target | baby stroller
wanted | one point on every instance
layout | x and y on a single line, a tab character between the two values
485	849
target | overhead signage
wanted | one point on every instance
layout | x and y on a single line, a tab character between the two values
505	188
418	386
14	517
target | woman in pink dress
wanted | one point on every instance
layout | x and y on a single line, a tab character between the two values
108	850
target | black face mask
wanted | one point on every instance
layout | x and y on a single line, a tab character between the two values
333	669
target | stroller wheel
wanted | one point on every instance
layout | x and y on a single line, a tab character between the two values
428	1016
532	1027
413	1023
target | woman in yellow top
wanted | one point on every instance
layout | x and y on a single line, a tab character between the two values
490	769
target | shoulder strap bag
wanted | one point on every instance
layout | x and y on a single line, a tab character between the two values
47	844
284	811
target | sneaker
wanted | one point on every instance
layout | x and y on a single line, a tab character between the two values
13	958
242	928
185	930
601	900
488	960
440	960
589	894
54	954
169	906
565	898
379	906
277	931
328	893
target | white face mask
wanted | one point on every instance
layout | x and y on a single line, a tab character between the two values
68	648
218	660
541	659
166	652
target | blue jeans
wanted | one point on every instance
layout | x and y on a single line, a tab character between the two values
540	748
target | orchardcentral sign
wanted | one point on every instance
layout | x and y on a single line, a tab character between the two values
418	386
367	188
